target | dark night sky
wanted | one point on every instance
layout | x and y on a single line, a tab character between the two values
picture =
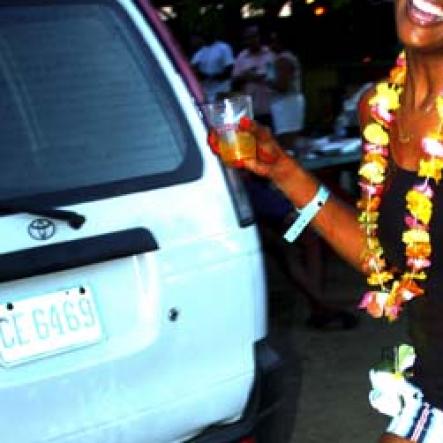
351	33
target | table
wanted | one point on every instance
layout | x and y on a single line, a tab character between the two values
335	162
331	160
325	152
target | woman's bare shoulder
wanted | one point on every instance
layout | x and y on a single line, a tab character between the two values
364	113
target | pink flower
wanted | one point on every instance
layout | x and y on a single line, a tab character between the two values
374	303
413	223
375	149
418	263
425	189
401	61
366	299
371	189
392	312
380	113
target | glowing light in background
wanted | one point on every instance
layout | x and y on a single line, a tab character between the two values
319	10
167	13
248	10
286	10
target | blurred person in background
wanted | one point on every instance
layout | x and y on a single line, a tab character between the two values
347	121
251	72
213	63
288	101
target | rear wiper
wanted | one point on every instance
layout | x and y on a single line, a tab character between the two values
74	219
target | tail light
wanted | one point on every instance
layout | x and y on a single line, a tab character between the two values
242	205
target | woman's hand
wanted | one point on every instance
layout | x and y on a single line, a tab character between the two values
271	160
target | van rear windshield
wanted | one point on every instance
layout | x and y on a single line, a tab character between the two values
85	111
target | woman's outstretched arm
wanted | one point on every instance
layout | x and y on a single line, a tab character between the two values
336	222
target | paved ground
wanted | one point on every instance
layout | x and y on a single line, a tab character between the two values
327	371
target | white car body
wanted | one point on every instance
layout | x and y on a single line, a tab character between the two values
177	283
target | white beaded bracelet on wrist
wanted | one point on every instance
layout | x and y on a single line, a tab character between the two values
307	213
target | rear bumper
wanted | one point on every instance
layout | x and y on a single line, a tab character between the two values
264	401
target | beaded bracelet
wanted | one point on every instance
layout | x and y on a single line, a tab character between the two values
306	214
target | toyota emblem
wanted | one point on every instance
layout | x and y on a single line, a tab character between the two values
41	229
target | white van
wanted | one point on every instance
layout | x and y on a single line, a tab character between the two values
132	289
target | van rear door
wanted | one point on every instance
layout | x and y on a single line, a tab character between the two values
139	324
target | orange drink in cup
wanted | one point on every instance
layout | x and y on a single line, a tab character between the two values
224	116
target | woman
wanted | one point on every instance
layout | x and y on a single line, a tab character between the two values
250	71
395	240
288	101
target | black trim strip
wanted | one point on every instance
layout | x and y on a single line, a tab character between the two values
75	253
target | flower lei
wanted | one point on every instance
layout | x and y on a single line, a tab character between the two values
389	294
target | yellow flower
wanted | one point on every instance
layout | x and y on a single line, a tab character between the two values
368	217
375	263
386	96
418	250
373	172
440	106
397	75
376	158
378	278
415	276
373	243
393	293
369	228
431	168
375	134
373	248
369	203
419	205
415	236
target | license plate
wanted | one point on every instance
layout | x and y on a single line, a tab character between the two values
47	324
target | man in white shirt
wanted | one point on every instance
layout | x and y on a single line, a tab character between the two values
213	64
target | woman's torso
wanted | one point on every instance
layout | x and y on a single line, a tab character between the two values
425	313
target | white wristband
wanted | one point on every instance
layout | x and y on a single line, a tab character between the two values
306	214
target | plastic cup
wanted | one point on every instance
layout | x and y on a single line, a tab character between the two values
224	116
